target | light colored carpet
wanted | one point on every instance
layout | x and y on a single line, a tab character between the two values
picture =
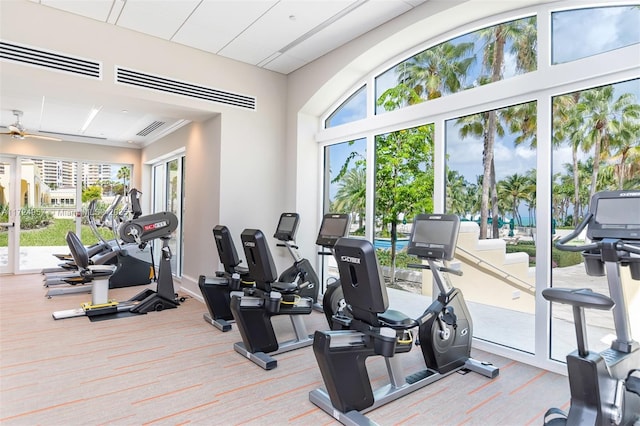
172	368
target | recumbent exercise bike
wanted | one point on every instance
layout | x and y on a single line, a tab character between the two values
371	329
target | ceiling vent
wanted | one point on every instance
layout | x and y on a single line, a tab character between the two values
163	84
54	61
150	128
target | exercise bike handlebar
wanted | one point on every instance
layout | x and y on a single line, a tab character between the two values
561	244
628	247
440	268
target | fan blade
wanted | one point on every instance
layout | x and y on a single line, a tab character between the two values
48	138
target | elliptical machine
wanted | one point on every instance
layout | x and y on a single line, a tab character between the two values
445	329
605	386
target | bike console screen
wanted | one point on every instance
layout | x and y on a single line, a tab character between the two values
287	227
434	236
332	228
616	214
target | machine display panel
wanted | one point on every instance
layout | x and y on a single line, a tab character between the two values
616	214
332	228
287	227
434	236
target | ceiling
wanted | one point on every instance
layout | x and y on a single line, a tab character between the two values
277	35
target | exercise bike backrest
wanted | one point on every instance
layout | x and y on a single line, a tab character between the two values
226	249
78	251
362	283
262	269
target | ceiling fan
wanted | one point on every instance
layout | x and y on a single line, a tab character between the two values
17	131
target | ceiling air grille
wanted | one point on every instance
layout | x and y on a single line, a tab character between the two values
150	128
50	60
139	79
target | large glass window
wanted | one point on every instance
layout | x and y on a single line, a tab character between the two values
598	123
354	108
56	194
491	183
481	57
168	181
345	189
491	151
581	33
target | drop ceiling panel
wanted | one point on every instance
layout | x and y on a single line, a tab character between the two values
364	19
282	24
94	9
216	23
285	62
160	18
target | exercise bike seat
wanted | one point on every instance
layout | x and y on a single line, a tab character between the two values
582	297
81	257
397	320
285	288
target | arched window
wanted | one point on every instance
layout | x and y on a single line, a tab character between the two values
499	112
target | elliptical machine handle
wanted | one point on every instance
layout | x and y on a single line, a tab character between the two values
561	244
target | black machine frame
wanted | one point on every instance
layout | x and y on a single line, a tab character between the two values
605	386
374	330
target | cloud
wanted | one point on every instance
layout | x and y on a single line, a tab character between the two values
585	32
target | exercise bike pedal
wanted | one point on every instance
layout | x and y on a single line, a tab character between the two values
555	417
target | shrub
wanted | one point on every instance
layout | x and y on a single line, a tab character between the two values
33	218
402	258
559	258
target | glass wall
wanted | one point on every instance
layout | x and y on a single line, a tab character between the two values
55	196
168	187
597	123
503	157
345	166
491	184
403	188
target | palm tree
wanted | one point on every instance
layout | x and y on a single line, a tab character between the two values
124	173
567	125
351	195
514	188
477	125
457	197
626	154
524	46
603	118
438	70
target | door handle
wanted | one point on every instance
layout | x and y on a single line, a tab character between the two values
7	225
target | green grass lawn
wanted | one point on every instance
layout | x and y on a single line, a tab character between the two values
54	234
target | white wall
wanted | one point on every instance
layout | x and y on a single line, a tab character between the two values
235	167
